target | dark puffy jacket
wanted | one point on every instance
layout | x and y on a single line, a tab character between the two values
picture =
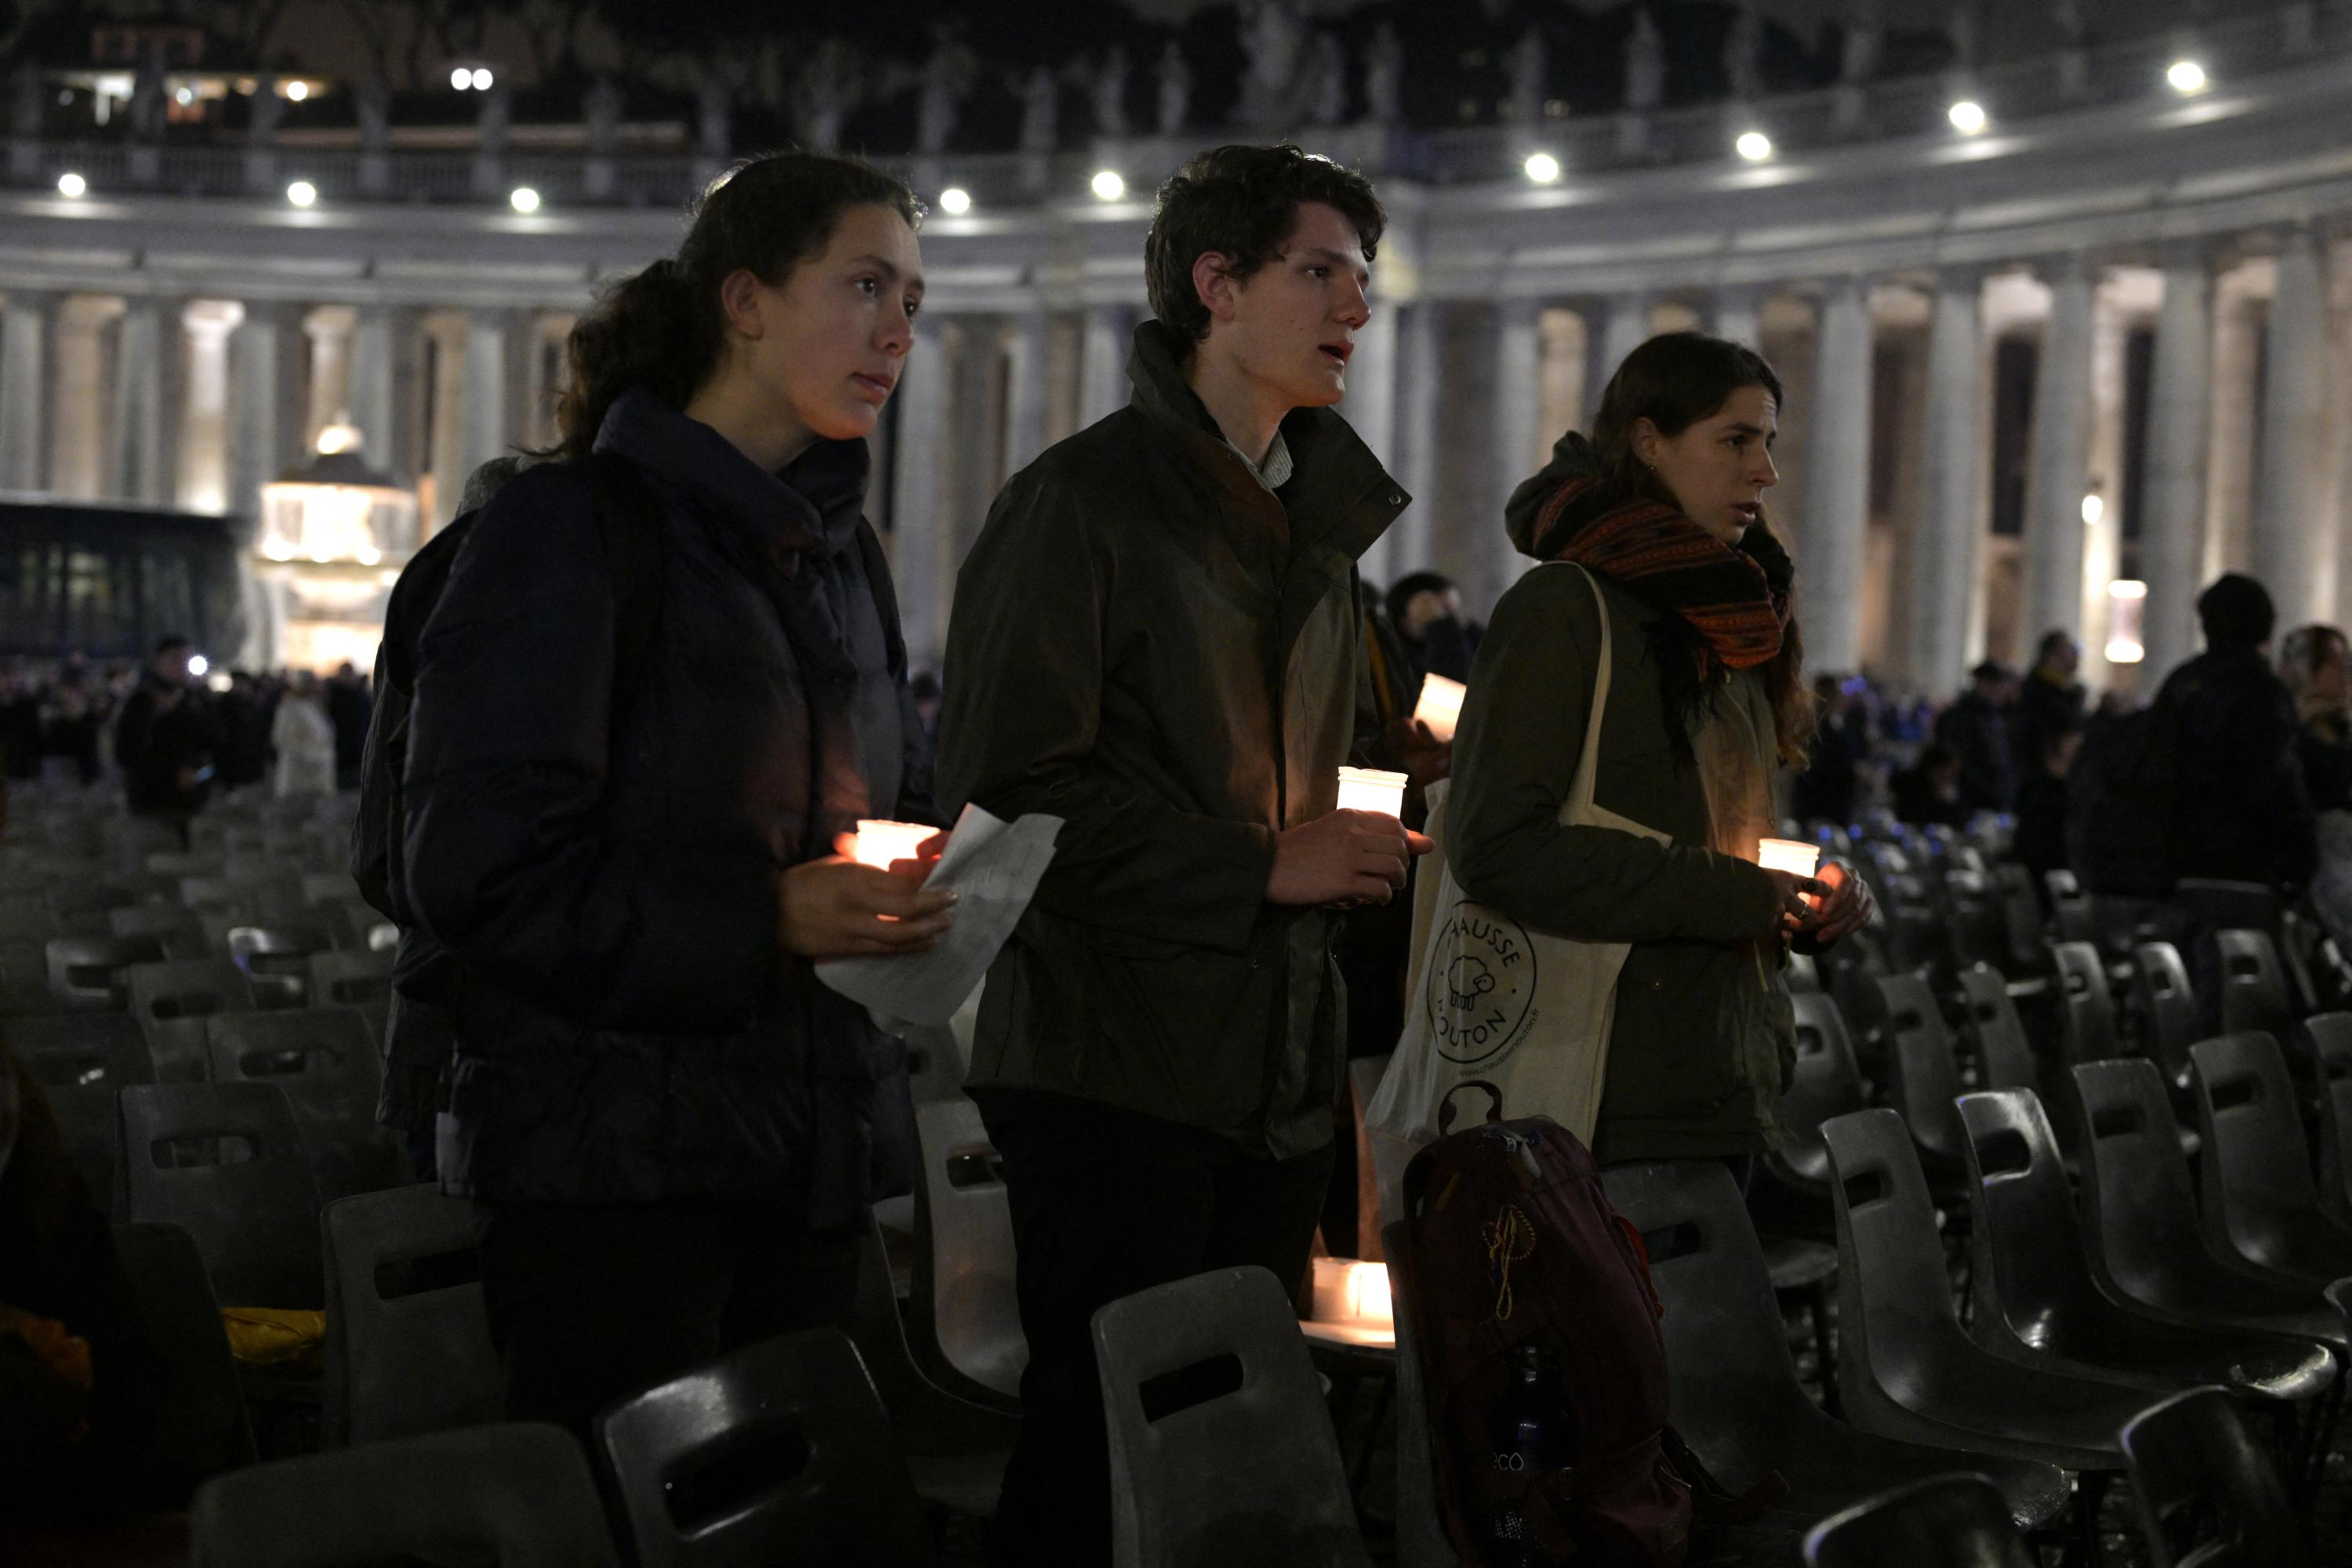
2241	812
628	1031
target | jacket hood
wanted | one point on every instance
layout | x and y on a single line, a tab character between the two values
812	504
1572	457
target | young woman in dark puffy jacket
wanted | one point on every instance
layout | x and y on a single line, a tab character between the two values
673	1132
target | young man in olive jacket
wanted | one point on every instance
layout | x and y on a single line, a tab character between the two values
1155	638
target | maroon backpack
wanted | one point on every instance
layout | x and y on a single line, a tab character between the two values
1511	1241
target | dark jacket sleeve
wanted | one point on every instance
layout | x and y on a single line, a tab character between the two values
511	862
1521	734
1025	669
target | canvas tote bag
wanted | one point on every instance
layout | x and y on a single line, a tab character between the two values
1488	998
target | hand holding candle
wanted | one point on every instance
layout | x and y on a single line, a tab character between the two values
1793	861
885	843
1355	854
850	904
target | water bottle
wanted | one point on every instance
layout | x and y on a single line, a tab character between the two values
1527	1441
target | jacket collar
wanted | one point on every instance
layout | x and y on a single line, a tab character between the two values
1339	496
813	503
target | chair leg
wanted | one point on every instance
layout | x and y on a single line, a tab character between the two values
1817	1306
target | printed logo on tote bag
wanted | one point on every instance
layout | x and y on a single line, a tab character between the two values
1481	1003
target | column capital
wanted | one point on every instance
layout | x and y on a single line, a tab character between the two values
2067	266
211	321
88	312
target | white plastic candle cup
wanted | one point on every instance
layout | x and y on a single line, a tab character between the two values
881	843
1788	855
1439	706
1369	789
1354	1293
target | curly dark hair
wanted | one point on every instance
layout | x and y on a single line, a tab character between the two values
1241	202
664	326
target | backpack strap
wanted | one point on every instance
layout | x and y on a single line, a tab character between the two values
629	526
1446	1108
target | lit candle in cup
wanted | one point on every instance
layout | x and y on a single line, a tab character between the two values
1369	789
1788	855
882	842
1353	1294
1439	706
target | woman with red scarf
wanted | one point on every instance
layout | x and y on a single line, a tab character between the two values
1658	519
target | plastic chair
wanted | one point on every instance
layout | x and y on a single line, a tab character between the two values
2331	1044
2070	908
1948	1521
326	1062
200	1422
350	979
1926	1075
83	1049
1906	1368
2086	1007
2035	1299
187	988
172	925
2140	1230
1421	1541
276	959
779	1453
2207	1492
1732	1389
1826	1083
2021	919
86	973
2253	986
1247	1475
256	1218
966	1317
2004	1053
408	1339
2259	1200
956	1449
519	1493
85	1116
2168	1008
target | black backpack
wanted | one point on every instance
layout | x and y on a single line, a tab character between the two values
2123	806
628	525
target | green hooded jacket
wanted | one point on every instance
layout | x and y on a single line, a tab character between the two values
1703	1035
1149	644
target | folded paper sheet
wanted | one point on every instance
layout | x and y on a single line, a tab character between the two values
994	866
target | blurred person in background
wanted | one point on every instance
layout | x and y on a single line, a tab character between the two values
1976	728
304	738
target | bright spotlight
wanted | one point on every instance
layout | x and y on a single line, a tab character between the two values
955	201
298	91
198	664
2186	76
1754	146
524	200
1108	185
185	95
302	193
1542	168
1967	117
71	185
482	80
461	79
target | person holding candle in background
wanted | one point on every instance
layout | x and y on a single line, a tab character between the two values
674	1132
1157	637
1661	510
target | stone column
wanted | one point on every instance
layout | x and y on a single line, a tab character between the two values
1947	560
1626	327
486	433
445	444
330	330
1102	364
2293	556
1411	540
1371	408
917	522
78	443
1517	441
2172	525
2234	390
262	439
1736	312
145	358
369	397
203	466
1837	531
24	390
2061	460
1024	389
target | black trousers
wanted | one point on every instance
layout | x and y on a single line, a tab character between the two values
1106	1203
590	1304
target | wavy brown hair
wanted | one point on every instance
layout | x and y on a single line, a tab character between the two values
1674	381
663	328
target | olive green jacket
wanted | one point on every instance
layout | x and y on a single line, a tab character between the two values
1149	644
1703	1033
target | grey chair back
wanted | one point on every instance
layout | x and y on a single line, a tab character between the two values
2086	1005
1949	1522
326	1062
105	1049
350	979
187	988
2168	1008
408	1337
226	1161
519	1494
2254	986
966	1312
87	972
200	1425
1221	1447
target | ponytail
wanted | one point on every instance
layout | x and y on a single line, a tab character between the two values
663	329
